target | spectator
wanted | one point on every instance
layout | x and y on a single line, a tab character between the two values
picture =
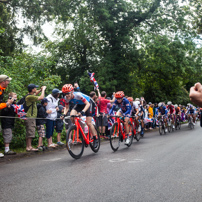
30	122
102	106
50	123
151	114
196	94
76	87
59	124
42	113
8	124
4	81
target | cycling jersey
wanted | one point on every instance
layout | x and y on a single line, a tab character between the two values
177	110
135	107
162	110
171	109
191	111
78	98
124	106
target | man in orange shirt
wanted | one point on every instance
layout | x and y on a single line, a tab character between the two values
4	81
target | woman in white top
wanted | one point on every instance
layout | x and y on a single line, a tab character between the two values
53	99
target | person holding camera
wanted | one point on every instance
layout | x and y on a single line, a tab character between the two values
30	122
8	123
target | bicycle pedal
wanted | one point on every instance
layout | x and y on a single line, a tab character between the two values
86	145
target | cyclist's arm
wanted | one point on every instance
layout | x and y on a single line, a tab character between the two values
128	110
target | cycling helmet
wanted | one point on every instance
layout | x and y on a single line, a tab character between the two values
130	99
191	106
176	105
169	103
119	94
67	88
160	104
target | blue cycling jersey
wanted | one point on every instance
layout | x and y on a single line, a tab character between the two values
79	99
124	106
162	110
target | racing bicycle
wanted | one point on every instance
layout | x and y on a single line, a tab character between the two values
118	134
76	138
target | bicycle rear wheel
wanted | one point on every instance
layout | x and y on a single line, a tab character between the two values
95	149
74	142
115	137
137	133
131	134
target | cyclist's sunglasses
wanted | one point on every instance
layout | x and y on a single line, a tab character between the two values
119	98
68	93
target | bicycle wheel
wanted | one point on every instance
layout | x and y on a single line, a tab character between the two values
95	149
160	128
137	134
179	126
169	126
115	137
131	134
74	142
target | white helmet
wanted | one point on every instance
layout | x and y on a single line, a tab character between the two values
169	103
159	104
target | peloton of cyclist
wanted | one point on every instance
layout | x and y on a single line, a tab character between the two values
171	112
163	111
82	106
124	110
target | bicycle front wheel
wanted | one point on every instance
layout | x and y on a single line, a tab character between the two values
115	137
95	149
74	142
160	128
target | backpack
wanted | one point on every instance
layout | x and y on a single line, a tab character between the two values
23	102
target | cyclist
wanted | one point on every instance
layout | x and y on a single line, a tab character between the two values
163	111
171	112
124	110
191	112
83	106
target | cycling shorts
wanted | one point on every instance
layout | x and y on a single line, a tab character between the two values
89	112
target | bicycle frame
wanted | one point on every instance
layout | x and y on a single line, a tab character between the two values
78	127
119	121
133	122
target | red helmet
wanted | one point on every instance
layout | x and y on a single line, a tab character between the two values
67	88
130	99
119	94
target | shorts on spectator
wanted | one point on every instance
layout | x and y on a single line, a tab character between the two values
30	125
58	131
41	130
102	120
7	135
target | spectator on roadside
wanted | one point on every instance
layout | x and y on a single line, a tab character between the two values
76	87
30	122
151	114
102	106
59	124
53	99
4	81
42	113
8	123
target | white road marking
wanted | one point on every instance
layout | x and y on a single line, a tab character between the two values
55	159
116	160
136	161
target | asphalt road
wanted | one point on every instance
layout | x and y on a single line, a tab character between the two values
158	168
